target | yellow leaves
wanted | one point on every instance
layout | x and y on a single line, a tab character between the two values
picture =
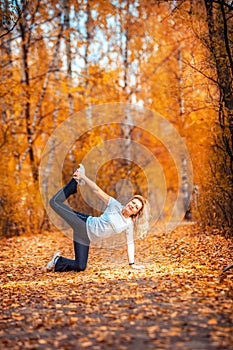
73	320
178	298
101	337
17	316
85	343
152	329
212	321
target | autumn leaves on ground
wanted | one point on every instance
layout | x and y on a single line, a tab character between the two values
180	300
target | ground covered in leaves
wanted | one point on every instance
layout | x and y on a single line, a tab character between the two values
180	300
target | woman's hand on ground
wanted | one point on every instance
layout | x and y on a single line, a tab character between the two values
137	267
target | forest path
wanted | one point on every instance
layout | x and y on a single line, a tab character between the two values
181	300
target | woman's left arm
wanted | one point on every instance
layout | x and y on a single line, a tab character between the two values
93	186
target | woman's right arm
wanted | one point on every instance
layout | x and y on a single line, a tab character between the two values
95	188
131	248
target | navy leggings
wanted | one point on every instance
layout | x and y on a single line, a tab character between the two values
78	223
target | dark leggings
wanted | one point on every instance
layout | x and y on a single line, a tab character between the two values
78	223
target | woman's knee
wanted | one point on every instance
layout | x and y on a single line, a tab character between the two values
80	267
53	203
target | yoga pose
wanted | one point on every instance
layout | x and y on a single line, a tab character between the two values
115	219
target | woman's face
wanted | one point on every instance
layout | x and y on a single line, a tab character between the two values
133	206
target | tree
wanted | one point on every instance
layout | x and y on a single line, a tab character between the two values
220	30
9	17
64	56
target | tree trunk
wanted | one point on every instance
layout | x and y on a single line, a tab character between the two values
219	20
25	40
221	53
68	54
126	126
86	61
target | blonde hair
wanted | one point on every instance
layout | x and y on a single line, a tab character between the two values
141	219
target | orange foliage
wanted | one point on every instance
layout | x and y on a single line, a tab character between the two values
144	53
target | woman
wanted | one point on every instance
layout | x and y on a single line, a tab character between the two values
86	229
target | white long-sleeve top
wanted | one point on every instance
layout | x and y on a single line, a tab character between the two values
110	223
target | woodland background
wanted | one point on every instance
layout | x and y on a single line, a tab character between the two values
60	57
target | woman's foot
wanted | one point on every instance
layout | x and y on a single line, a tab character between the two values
81	169
51	264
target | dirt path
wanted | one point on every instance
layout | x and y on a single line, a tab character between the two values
179	301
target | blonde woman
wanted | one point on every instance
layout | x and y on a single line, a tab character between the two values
131	218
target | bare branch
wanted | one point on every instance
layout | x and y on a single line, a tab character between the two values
201	72
15	24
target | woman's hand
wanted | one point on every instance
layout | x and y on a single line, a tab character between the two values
137	267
